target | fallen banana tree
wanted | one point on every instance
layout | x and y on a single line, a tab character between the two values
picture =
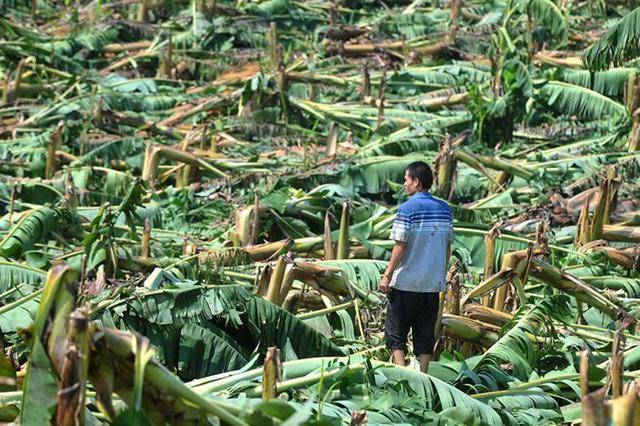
68	352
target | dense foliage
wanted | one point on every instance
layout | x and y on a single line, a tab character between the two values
196	199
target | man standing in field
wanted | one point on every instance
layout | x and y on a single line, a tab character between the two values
423	232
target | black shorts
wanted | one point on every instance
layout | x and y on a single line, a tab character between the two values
418	311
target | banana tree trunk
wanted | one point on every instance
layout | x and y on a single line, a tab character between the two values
445	166
487	315
453	290
275	282
343	237
453	21
145	245
481	161
466	329
609	304
620	233
489	259
270	373
617	364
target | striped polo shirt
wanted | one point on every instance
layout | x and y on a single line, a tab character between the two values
426	225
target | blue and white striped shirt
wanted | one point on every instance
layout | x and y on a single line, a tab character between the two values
426	225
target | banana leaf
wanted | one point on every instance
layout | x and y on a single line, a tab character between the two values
30	229
571	99
609	83
225	323
619	44
372	174
13	273
434	393
515	346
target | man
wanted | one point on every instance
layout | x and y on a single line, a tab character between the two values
423	231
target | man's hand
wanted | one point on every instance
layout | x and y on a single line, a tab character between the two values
397	253
384	284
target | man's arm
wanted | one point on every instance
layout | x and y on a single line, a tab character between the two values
397	254
400	234
449	241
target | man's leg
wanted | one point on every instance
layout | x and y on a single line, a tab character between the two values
424	329
424	362
398	357
396	327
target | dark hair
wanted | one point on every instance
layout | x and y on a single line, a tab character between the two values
421	171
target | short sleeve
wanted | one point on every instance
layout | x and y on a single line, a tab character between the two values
401	225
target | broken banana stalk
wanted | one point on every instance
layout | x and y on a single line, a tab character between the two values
67	350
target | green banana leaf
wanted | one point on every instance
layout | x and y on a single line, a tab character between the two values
225	323
30	229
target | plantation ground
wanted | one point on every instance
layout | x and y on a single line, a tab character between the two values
196	200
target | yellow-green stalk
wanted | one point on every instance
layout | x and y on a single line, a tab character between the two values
270	373
453	21
445	165
287	283
594	409
502	179
332	140
489	258
53	145
487	315
453	290
584	229
584	373
73	372
343	236
599	218
275	283
142	11
255	220
272	41
625	410
617	364
145	247
510	261
328	241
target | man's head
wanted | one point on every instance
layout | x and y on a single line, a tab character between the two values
417	178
